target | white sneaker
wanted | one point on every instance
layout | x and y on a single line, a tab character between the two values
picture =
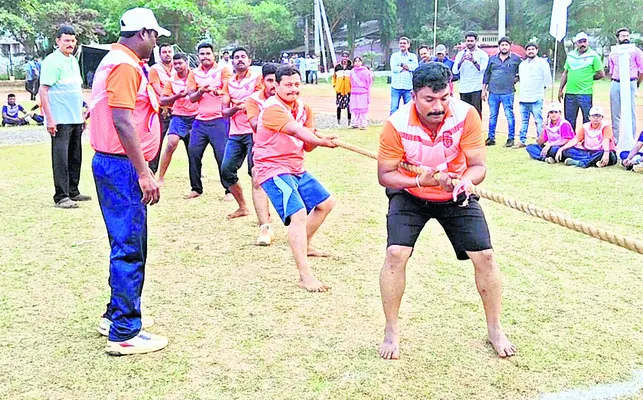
105	324
142	343
265	235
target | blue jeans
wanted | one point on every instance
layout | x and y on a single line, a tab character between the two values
237	148
507	101
527	109
119	198
203	133
396	94
588	158
574	102
534	151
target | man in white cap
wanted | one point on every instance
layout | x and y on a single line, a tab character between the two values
593	144
125	134
582	68
441	57
556	133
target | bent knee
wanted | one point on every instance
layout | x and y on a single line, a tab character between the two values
397	256
483	260
327	205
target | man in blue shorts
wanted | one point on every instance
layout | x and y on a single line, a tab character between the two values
183	112
285	130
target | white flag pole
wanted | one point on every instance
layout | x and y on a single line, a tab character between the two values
553	85
502	19
435	26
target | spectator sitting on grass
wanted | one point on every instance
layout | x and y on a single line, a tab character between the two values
634	159
11	112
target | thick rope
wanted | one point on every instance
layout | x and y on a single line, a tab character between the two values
530	209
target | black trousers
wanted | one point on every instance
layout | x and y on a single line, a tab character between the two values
165	124
473	98
66	159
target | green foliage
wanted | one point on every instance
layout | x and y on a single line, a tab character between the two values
264	28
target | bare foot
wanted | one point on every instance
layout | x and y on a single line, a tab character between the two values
390	347
192	195
312	284
241	212
500	343
313	252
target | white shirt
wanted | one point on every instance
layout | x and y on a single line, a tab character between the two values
470	76
227	64
535	76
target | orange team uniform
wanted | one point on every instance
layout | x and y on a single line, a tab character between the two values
405	139
183	110
209	126
279	159
239	145
255	103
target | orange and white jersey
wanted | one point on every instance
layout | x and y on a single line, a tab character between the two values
239	90
144	104
210	103
404	138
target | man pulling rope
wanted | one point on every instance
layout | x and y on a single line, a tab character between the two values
438	133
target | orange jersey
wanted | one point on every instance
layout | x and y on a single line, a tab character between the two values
183	106
120	82
276	152
209	104
405	139
239	90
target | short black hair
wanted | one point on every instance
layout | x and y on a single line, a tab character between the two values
433	75
345	53
128	34
471	34
357	58
531	44
286	70
165	45
423	47
180	56
269	69
65	30
205	45
227	52
623	29
11	95
238	49
504	39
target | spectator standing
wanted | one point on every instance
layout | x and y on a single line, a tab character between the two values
313	67
301	64
403	63
636	77
361	82
441	57
159	75
342	85
226	62
62	103
307	66
470	63
582	68
535	76
425	55
29	78
498	84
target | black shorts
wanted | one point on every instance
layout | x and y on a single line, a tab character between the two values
465	227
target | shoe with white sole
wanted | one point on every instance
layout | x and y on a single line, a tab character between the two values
105	324
140	344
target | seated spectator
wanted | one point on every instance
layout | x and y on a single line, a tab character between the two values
556	133
37	116
634	159
11	112
593	144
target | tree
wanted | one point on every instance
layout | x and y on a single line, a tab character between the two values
264	28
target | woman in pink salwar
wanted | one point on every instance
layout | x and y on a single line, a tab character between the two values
361	82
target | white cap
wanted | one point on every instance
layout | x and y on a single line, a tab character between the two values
135	19
596	110
580	36
555	107
440	49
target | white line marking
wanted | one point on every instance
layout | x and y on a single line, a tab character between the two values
601	392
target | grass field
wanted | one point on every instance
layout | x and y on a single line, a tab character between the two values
239	327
